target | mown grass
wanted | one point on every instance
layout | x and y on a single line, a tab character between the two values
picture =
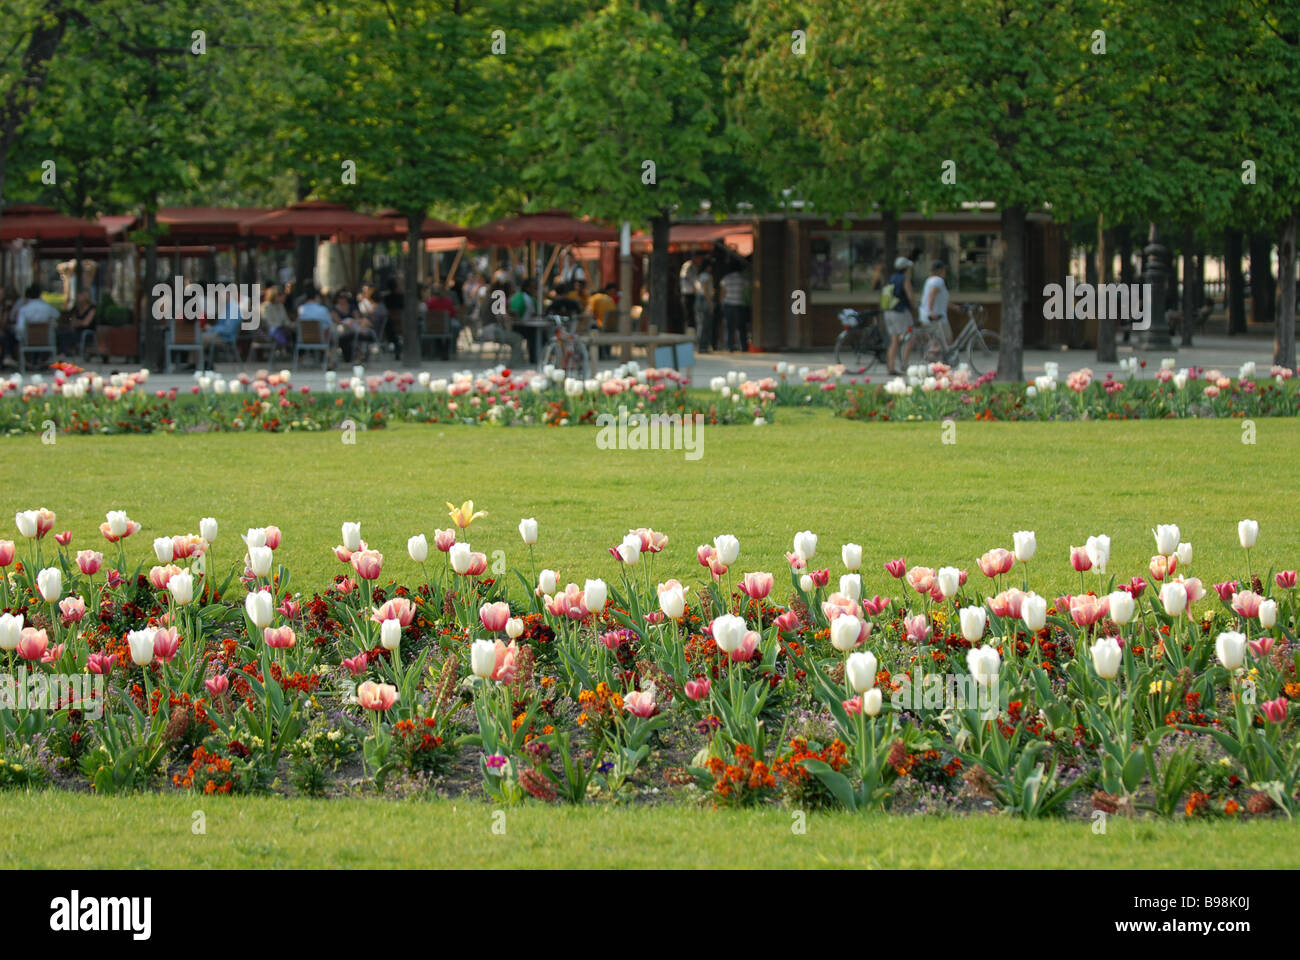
896	488
157	831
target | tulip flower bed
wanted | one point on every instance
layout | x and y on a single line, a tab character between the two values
771	680
75	402
938	392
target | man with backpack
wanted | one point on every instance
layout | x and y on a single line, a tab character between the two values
896	302
934	331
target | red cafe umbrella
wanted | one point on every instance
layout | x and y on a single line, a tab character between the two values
431	227
552	226
30	221
317	218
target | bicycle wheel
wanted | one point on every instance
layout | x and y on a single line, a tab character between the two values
982	351
550	355
848	347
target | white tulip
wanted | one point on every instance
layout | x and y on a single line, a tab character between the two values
141	643
1231	649
1173	597
181	587
117	522
1099	552
851	554
208	529
851	586
1024	545
1033	611
860	669
1166	535
11	630
806	583
949	581
514	628
390	634
547	581
459	556
351	537
984	663
973	622
1106	657
1121	606
1268	613
845	630
1248	533
50	584
258	606
162	549
672	601
872	701
418	548
256	537
259	560
528	531
1184	553
727	547
728	632
595	594
483	658
630	550
26	521
805	542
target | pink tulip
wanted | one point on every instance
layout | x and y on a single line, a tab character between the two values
797	562
1162	566
273	537
505	664
73	609
935	593
6	552
88	562
1008	603
921	579
100	664
875	605
53	654
655	617
703	553
1135	587
1275	710
716	567
1286	579
493	616
612	639
345	586
399	608
64	538
477	564
1226	590
839	604
291	608
166	643
916	628
1087	609
1195	590
280	638
748	647
444	540
114	579
697	689
217	685
788	622
896	568
852	706
32	643
159	576
640	703
342	554
756	586
996	562
1246	603
821	577
355	665
1079	559
376	696
368	564
44	522
1261	647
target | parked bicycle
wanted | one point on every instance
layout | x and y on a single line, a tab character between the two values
975	345
861	343
566	351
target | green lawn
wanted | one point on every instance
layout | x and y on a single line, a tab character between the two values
78	830
895	488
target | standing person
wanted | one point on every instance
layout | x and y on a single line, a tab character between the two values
735	310
704	306
690	270
571	272
899	315
394	301
933	315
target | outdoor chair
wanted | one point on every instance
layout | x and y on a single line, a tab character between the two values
36	338
312	336
228	347
182	336
435	327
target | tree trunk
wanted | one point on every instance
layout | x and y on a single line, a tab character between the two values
1261	278
1188	306
890	220
1106	351
148	327
659	273
1011	360
1234	283
1284	335
411	297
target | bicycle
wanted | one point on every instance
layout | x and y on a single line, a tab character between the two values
860	339
978	346
566	351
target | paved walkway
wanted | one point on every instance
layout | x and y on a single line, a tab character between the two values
1226	353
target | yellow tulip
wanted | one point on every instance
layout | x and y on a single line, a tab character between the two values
464	515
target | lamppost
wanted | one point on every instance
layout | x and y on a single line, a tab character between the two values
1156	278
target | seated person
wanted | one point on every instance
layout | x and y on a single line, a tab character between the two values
83	320
226	327
33	310
352	328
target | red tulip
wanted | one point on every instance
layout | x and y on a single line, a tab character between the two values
1275	710
1079	559
217	685
896	568
1286	579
